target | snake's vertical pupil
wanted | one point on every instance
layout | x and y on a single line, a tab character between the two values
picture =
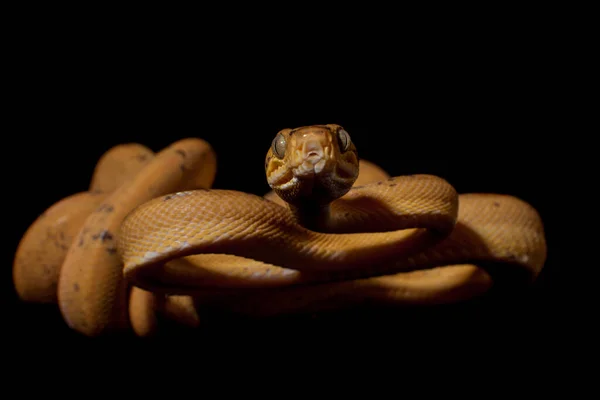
343	140
279	146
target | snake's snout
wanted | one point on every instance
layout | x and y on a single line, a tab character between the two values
313	149
312	154
313	146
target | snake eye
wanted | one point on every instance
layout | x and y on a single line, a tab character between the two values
278	146
343	140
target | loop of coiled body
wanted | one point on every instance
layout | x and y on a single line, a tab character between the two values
150	238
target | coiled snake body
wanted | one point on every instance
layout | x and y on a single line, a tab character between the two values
150	238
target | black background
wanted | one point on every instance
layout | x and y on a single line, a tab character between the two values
484	120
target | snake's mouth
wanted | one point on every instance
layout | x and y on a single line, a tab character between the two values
311	166
282	178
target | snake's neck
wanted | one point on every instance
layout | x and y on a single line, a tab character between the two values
312	216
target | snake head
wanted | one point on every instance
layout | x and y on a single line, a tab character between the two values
312	164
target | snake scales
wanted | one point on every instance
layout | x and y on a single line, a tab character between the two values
151	240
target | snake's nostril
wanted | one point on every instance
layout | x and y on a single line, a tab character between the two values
313	153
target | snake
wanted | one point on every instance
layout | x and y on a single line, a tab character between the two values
152	240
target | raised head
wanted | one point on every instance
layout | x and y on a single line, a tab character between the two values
311	165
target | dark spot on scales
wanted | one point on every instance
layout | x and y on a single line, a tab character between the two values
111	250
106	208
392	184
76	287
80	241
182	167
496	204
142	157
180	152
168	197
379	183
104	235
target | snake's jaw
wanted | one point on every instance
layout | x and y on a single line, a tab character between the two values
347	168
279	176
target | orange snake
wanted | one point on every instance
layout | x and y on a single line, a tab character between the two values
151	240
